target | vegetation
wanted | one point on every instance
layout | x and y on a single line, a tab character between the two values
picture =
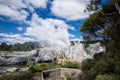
36	67
68	77
16	76
103	27
30	64
56	66
27	46
71	64
107	77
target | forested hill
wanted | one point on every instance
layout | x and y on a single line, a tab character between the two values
27	46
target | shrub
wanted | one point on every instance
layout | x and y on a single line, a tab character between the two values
104	77
68	77
43	66
38	67
87	75
71	64
117	68
56	66
87	64
16	76
101	67
31	63
98	56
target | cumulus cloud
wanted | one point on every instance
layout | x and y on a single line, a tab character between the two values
14	38
53	31
15	9
69	9
38	3
19	28
12	14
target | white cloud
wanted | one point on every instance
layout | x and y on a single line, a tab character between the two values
9	35
14	4
15	9
71	35
12	14
14	38
69	9
38	3
19	28
53	31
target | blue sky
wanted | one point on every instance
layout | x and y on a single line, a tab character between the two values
52	21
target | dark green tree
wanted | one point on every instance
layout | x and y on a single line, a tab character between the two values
27	46
3	46
103	26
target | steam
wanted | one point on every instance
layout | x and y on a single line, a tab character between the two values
52	32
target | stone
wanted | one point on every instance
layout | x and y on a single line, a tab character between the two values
57	74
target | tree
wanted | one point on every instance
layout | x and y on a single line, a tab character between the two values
3	46
27	46
103	25
93	5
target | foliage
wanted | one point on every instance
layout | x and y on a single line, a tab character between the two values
103	26
71	64
107	77
98	56
87	64
93	5
40	67
37	66
16	76
87	68
100	67
27	46
56	66
68	77
4	46
31	63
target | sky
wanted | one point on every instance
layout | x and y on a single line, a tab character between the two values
50	21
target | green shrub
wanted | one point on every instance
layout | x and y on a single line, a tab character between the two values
16	76
71	64
101	67
104	77
31	63
38	67
98	56
117	68
68	77
87	75
56	66
43	66
87	64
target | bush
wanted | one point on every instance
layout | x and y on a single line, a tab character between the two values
71	65
68	77
16	76
88	75
104	77
38	67
56	66
87	64
98	56
31	63
117	68
101	67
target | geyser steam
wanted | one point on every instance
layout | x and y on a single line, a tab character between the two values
52	31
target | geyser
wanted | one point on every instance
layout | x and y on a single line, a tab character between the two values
75	52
